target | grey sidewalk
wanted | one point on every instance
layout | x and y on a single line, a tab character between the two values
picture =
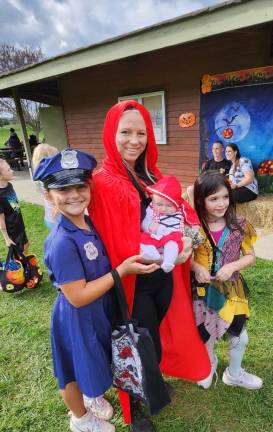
27	191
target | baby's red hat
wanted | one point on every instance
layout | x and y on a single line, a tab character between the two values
168	187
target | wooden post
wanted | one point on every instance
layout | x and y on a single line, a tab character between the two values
20	115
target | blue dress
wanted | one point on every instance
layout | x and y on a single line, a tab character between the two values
80	337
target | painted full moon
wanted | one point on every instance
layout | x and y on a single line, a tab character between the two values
232	122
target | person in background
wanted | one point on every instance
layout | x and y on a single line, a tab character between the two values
242	179
11	221
160	302
32	139
218	163
13	142
40	152
79	268
219	290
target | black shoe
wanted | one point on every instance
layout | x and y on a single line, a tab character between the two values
170	389
140	422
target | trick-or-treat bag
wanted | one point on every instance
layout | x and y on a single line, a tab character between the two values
19	271
134	361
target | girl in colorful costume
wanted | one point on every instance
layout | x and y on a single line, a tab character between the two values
79	268
219	290
118	206
164	224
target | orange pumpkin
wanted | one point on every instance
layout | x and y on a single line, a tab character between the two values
265	168
187	119
227	133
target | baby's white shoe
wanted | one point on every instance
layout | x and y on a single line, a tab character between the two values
167	267
149	253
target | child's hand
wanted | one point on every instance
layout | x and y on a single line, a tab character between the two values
202	275
225	272
132	266
9	242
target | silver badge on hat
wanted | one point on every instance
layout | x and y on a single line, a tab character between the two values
69	159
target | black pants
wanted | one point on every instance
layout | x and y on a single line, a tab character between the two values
243	194
152	299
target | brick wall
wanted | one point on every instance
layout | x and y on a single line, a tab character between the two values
88	94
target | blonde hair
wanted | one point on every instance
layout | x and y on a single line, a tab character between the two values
41	151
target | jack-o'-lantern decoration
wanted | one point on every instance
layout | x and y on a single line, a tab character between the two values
187	119
266	168
227	133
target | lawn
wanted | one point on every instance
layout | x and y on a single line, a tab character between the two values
29	401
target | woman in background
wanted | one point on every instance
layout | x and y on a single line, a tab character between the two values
241	176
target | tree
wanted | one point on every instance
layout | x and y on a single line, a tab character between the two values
12	58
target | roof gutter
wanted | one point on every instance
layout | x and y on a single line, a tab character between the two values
230	16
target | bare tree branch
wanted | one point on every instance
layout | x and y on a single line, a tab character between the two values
12	58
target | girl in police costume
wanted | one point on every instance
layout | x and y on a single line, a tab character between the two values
219	291
79	268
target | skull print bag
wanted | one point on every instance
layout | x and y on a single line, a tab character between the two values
134	361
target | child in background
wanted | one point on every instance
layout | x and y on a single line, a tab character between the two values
219	290
11	220
170	224
79	268
42	151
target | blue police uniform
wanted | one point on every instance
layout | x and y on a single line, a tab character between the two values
80	337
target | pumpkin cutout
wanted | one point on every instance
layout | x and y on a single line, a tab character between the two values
266	168
227	133
187	119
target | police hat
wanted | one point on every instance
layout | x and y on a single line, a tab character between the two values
67	168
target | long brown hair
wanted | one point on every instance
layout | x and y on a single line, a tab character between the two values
207	184
238	155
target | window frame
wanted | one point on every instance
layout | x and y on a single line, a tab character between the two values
140	97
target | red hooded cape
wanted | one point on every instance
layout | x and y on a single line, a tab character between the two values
115	212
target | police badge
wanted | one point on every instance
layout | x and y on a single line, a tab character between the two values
91	251
69	159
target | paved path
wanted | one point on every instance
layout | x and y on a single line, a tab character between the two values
28	191
25	188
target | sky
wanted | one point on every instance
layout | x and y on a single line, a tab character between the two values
58	26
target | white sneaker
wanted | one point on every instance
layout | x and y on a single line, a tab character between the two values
244	379
167	267
99	406
90	423
206	383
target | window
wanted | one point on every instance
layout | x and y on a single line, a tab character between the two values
155	103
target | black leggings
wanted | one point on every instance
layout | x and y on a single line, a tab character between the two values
152	299
243	194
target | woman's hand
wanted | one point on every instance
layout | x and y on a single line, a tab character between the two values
233	185
133	266
225	272
186	252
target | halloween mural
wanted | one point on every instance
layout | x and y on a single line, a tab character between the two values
237	107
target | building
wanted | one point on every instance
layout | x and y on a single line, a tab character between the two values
161	66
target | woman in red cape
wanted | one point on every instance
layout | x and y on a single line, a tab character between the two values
116	209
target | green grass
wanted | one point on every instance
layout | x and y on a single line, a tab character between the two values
29	400
4	133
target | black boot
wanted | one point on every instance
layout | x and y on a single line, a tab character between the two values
140	422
